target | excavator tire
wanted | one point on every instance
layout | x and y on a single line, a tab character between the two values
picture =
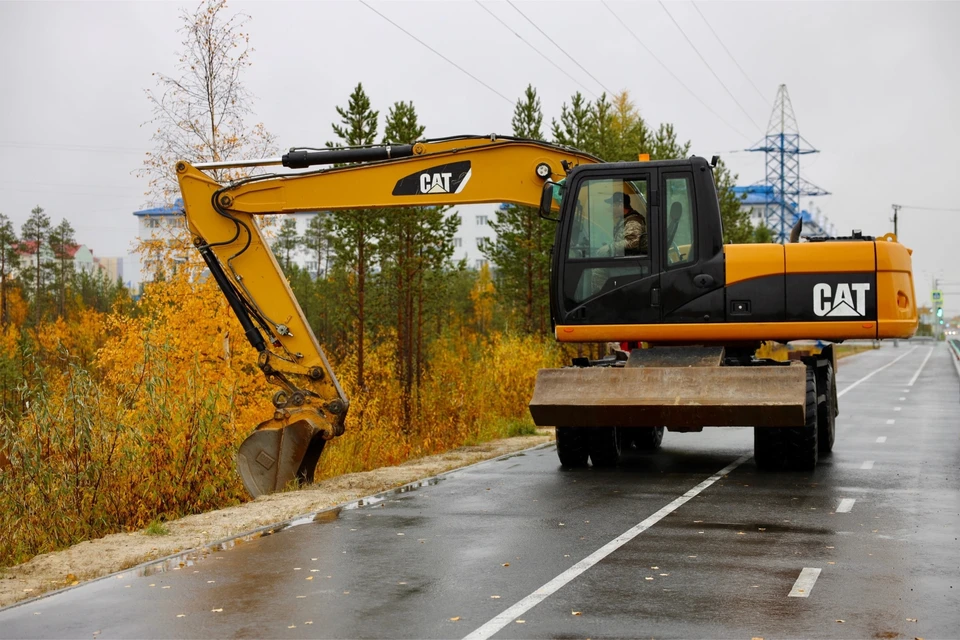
572	446
643	438
605	446
792	448
826	409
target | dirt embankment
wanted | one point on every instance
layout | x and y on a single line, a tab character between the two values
95	558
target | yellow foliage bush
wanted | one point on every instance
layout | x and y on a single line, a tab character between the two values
135	419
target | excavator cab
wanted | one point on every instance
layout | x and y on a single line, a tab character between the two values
674	275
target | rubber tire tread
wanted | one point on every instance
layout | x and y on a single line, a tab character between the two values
643	438
605	446
572	446
826	411
792	448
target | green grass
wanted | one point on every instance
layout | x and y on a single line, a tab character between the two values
156	528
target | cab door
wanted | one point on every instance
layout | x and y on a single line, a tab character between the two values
605	278
692	259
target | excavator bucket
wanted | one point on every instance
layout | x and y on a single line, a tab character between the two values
673	396
278	452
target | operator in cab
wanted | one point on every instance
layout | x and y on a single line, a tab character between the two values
630	230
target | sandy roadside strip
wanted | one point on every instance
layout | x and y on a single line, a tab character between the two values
116	552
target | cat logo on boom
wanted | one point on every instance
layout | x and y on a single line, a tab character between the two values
849	300
444	178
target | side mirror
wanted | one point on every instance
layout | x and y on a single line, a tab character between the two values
546	201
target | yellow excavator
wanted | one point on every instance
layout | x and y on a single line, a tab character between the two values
688	313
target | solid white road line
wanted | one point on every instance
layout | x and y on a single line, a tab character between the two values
882	439
898	408
804	584
917	374
873	373
891	421
846	505
499	622
867	465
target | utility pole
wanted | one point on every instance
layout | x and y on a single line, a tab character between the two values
896	209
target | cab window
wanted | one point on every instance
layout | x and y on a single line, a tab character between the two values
609	224
599	228
681	238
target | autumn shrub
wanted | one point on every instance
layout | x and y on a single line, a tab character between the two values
134	419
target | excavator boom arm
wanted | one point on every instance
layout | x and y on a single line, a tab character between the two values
311	406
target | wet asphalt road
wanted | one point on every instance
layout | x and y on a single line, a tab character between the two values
449	558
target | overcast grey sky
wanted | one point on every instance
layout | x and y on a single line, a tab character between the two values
874	87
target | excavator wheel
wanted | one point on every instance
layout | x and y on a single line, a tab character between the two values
643	438
793	448
572	446
605	446
826	408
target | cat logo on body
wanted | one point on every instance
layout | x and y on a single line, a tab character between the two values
849	300
445	178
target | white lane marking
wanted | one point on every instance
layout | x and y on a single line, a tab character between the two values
509	615
891	421
898	408
804	584
917	374
902	399
882	439
867	465
846	505
906	390
873	373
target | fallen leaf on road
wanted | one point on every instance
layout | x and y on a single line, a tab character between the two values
181	615
654	568
216	610
401	534
495	597
457	619
520	621
309	578
840	621
308	622
166	587
911	619
649	578
577	613
208	582
153	585
664	574
505	564
293	626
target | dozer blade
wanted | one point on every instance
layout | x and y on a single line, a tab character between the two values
670	396
274	455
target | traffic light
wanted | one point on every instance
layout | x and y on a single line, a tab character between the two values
939	312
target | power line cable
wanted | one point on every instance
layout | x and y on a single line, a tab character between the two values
944	209
542	55
697	51
562	50
508	100
667	69
759	93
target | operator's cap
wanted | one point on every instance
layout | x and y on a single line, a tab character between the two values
619	198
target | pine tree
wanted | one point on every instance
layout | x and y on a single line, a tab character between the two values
577	124
522	250
665	146
63	245
9	261
33	241
316	243
630	130
414	246
353	231
286	243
